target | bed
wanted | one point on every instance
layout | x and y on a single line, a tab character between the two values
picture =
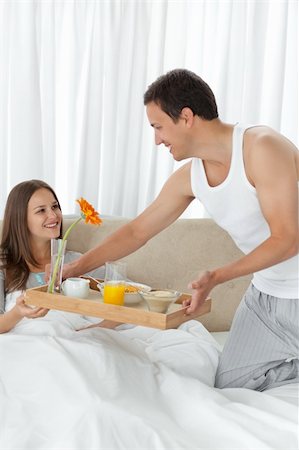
137	387
130	388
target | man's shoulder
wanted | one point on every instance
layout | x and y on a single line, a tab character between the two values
262	134
267	152
181	179
181	174
263	140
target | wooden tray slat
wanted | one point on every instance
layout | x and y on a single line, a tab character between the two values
93	306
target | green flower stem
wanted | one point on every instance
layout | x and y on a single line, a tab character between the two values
58	259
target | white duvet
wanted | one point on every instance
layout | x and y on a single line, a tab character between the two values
134	388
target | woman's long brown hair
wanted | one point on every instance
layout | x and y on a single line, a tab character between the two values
15	250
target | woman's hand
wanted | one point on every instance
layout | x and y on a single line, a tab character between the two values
11	318
24	310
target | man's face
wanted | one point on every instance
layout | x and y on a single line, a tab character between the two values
172	134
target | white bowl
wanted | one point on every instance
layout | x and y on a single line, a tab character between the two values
160	300
131	298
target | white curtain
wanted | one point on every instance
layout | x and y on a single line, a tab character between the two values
73	75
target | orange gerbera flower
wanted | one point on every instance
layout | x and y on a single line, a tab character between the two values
88	212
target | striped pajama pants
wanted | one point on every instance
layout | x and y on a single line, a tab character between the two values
262	348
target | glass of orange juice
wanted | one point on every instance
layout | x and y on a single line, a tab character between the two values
114	285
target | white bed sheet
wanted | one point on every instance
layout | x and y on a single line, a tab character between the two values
132	388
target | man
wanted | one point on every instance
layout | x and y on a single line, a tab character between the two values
247	178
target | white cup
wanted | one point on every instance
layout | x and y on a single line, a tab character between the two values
75	287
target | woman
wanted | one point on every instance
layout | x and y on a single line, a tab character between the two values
32	218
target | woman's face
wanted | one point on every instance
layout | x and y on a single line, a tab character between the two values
43	215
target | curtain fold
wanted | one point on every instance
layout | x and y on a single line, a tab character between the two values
73	75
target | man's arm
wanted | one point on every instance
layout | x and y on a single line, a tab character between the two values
173	199
273	169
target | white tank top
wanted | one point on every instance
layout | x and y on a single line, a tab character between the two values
235	207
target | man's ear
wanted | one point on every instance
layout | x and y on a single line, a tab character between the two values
187	115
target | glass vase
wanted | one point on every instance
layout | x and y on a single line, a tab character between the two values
58	247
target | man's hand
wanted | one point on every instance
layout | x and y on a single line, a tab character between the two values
69	271
65	272
201	289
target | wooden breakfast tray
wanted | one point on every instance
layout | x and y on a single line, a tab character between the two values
94	306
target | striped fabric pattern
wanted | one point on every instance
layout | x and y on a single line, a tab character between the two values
262	348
